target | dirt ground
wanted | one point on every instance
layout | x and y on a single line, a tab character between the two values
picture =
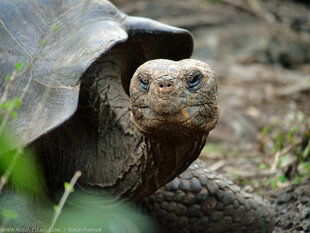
260	51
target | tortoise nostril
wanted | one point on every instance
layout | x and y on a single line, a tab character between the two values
166	85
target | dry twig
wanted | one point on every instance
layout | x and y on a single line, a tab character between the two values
278	154
216	166
293	89
252	7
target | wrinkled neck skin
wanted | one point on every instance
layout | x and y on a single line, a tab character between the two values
101	141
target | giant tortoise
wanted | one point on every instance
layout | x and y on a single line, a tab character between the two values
99	95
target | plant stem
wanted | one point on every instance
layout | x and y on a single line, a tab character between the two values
4	178
63	200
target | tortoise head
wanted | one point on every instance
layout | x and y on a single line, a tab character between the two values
174	100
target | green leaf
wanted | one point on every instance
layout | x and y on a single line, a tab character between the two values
290	134
282	160
7	77
273	183
279	143
26	175
283	178
306	152
213	147
263	166
19	66
5	105
16	102
9	106
44	42
9	214
56	208
299	178
306	166
68	187
55	27
14	114
266	130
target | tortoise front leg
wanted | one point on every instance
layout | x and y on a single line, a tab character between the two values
199	200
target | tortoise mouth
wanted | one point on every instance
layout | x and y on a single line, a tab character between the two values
197	118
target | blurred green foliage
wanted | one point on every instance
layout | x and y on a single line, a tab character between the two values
26	175
80	214
290	138
114	217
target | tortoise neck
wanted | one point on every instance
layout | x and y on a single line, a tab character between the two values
138	163
168	161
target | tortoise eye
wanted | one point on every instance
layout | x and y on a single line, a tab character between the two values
143	82
194	80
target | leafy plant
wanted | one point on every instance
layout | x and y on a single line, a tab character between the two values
288	139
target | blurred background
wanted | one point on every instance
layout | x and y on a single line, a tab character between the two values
260	51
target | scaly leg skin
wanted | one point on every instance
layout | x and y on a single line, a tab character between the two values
200	201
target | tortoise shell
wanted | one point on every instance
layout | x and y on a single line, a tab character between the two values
57	41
